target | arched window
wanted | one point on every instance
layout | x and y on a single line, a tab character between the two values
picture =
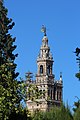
48	69
41	69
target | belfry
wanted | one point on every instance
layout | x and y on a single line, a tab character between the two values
45	79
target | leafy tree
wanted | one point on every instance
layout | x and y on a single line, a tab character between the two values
31	90
10	96
65	113
56	113
77	114
76	105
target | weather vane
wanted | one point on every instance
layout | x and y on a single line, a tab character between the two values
43	29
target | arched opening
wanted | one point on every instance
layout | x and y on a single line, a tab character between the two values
60	96
41	69
48	69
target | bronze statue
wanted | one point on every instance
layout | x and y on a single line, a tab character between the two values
43	29
77	51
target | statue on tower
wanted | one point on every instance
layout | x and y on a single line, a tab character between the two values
43	29
77	51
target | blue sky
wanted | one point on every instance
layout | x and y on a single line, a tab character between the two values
62	20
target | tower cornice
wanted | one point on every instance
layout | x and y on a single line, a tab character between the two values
45	60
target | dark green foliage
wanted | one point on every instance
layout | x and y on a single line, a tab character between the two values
21	115
76	105
77	114
61	113
9	87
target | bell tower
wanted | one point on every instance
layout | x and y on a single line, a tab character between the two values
50	89
45	79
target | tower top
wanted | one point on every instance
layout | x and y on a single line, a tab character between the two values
43	29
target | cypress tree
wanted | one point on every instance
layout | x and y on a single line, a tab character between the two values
9	86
